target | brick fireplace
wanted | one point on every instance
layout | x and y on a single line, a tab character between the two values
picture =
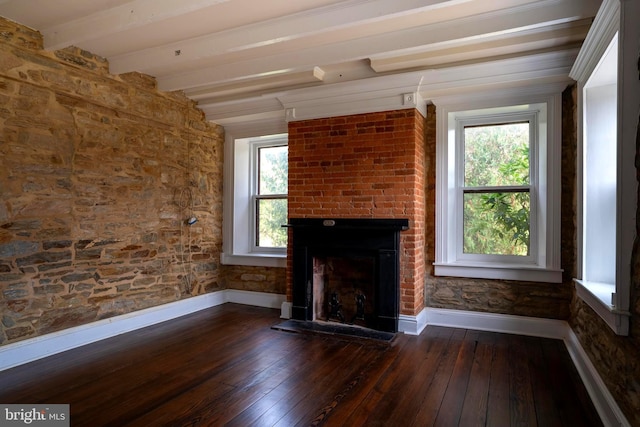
365	166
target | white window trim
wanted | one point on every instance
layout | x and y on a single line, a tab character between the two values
238	208
612	301
544	264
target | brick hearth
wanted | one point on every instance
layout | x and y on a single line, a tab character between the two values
364	166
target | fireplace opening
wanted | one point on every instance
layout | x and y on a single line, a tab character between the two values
343	290
347	271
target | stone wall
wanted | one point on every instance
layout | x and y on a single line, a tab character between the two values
256	279
615	357
97	175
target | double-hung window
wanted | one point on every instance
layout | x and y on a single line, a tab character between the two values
495	187
255	201
495	218
270	167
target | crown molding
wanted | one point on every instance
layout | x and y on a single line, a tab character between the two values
245	107
546	71
544	67
532	92
266	124
604	27
393	92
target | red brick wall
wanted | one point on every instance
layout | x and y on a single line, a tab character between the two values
364	166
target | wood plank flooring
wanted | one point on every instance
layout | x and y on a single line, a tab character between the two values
226	366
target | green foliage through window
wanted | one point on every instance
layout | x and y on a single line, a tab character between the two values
496	198
272	213
271	201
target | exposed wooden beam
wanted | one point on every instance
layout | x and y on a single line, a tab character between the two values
503	23
322	26
127	16
517	44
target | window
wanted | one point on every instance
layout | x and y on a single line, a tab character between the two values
496	172
270	195
255	201
599	166
606	70
495	188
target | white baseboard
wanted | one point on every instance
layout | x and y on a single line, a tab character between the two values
547	328
285	310
505	323
412	325
258	299
31	349
605	404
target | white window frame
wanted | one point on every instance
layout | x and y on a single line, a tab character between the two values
255	144
471	118
543	263
614	31
240	182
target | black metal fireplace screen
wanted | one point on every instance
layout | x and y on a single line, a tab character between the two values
369	248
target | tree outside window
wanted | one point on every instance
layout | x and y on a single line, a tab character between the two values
271	197
496	191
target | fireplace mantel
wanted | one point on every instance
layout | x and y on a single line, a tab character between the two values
351	223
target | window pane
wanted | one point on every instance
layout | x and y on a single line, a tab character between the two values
600	177
272	214
496	155
273	170
496	223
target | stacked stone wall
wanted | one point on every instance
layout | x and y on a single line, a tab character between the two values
256	279
98	174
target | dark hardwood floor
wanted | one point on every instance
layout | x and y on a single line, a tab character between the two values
226	366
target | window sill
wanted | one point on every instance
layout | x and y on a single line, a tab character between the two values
598	296
257	260
526	273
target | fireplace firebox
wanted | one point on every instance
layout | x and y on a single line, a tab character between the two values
347	270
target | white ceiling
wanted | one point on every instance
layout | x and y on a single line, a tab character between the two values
242	59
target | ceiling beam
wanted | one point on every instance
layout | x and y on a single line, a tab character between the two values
496	24
324	25
224	92
529	40
106	22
